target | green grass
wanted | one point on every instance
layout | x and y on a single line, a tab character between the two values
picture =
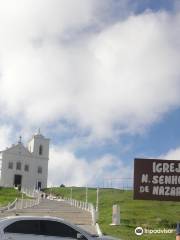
147	214
8	195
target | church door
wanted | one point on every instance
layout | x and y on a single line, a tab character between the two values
17	180
39	185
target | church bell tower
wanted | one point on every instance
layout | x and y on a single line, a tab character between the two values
39	146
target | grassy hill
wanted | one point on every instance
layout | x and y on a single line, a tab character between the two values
147	214
8	195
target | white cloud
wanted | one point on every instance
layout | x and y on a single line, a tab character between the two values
135	75
121	79
172	154
6	132
59	61
66	168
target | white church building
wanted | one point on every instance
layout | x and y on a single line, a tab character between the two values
25	167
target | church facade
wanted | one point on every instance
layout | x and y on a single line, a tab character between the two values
25	167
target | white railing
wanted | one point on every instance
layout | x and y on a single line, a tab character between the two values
26	203
84	206
79	204
11	205
31	192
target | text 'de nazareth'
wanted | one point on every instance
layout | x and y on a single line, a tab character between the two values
156	179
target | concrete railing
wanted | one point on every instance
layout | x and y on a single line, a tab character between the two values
79	204
84	206
20	204
25	203
10	206
31	192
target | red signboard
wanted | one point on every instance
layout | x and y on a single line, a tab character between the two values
156	179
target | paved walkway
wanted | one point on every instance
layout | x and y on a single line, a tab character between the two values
57	209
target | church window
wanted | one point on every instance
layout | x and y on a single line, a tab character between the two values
10	165
39	169
18	165
40	150
26	168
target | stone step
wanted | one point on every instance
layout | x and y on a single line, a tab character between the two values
59	209
55	210
74	220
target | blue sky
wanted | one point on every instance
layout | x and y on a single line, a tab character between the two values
100	78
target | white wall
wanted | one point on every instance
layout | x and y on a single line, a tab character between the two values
19	153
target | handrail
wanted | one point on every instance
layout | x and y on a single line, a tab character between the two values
80	204
85	206
24	203
9	206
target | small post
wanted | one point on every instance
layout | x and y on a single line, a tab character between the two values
8	206
71	193
97	205
26	204
86	194
178	231
93	217
38	199
15	207
116	216
97	200
22	202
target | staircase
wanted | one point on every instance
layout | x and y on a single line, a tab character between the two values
59	209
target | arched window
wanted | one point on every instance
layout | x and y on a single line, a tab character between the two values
40	150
